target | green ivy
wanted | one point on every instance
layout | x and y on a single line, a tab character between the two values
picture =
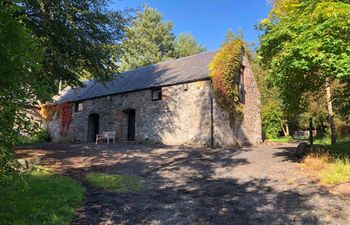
225	69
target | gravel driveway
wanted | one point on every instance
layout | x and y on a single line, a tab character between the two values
252	185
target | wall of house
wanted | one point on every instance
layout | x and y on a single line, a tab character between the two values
182	117
246	130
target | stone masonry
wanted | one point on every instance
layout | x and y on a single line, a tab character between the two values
181	117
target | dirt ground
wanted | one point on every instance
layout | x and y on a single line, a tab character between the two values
252	185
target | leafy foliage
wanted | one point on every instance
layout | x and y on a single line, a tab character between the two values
341	99
42	135
148	40
224	70
79	37
186	45
20	59
63	111
305	42
230	36
273	115
47	111
272	119
65	114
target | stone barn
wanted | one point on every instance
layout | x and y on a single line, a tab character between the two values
169	103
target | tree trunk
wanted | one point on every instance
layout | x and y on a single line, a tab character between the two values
330	111
285	129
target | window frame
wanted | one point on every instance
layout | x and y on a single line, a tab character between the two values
76	106
241	85
159	91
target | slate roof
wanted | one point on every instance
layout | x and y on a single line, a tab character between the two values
183	70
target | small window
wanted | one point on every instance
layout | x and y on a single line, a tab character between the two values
156	94
78	106
241	90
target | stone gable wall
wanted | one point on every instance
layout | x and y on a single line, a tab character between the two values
182	117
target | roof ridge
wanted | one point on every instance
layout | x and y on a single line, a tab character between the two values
168	61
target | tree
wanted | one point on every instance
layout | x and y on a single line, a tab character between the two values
230	36
20	60
273	116
148	40
305	46
80	39
186	45
342	99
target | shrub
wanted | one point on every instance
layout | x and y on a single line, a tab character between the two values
43	135
271	116
8	164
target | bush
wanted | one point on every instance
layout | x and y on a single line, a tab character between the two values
42	135
271	115
343	128
8	164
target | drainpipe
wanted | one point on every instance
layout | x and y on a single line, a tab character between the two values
211	121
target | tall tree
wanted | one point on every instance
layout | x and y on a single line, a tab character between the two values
20	60
230	36
79	37
305	45
148	40
186	45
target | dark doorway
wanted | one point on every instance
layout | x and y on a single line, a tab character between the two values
131	124
93	127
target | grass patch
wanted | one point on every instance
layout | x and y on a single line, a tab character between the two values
336	172
342	147
333	165
39	197
115	182
280	139
316	162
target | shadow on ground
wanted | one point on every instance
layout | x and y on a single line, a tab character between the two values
192	186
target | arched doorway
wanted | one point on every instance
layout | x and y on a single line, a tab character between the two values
131	123
93	127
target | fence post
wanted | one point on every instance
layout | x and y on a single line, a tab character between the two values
310	131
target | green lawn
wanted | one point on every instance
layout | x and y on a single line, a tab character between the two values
280	139
341	148
39	197
115	182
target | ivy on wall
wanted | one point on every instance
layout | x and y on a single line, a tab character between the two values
47	111
63	110
224	71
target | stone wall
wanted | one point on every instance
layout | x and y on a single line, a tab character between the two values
182	117
244	131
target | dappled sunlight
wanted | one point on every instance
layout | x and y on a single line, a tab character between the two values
197	186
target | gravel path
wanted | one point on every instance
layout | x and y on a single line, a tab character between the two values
252	185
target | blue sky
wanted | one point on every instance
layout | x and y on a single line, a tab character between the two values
207	20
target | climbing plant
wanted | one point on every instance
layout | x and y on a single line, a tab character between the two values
64	111
224	71
47	111
65	114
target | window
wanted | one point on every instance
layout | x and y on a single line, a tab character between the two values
78	106
157	94
241	90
